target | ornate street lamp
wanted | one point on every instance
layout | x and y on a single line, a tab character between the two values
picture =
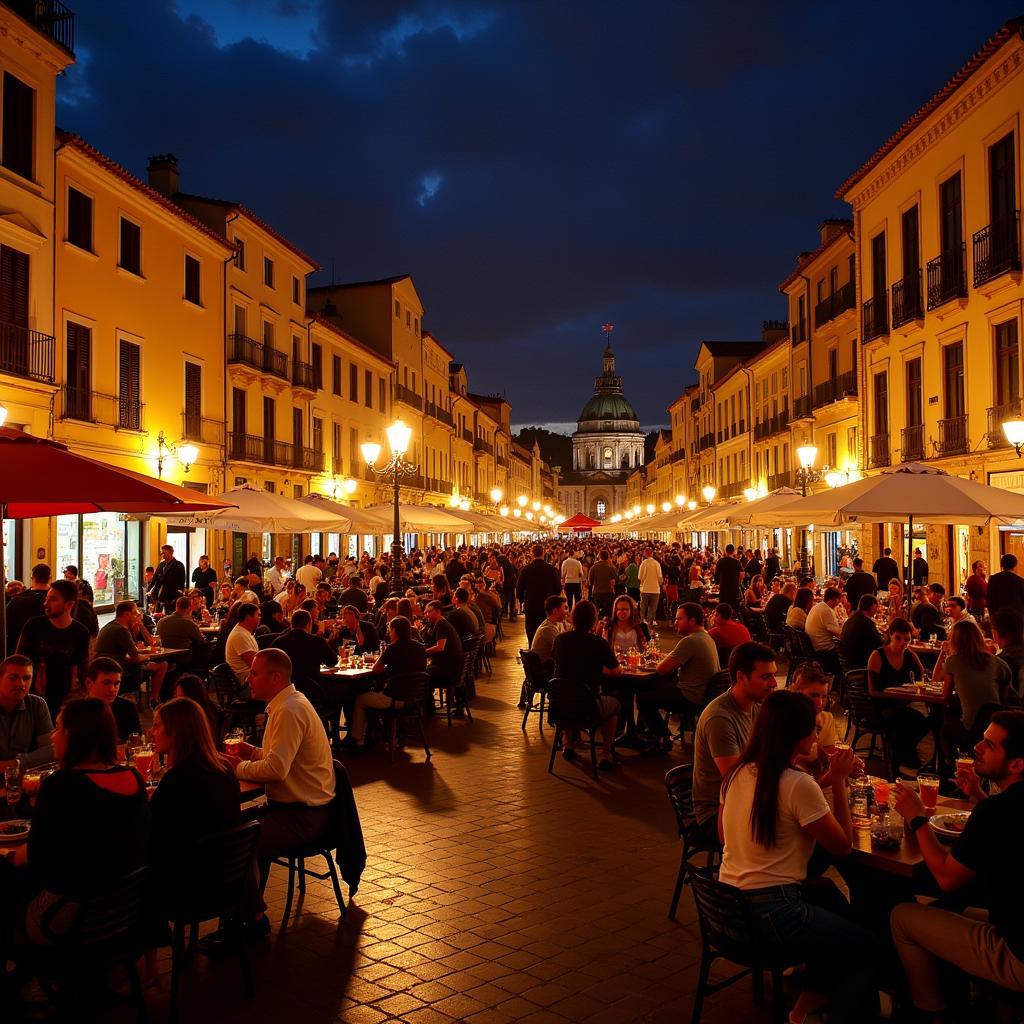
709	493
1014	431
187	454
399	436
806	454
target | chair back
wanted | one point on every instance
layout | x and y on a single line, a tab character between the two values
861	706
409	687
721	911
533	669
570	702
469	652
312	691
718	684
111	914
679	783
225	683
222	863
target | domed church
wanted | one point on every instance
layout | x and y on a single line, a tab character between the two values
607	446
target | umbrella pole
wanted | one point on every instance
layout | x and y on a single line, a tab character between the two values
910	562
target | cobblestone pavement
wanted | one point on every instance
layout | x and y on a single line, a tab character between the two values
494	892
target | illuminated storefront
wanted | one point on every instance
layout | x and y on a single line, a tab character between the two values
107	552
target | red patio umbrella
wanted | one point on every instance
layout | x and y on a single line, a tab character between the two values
40	477
578	523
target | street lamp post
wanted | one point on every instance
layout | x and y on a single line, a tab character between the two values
394	469
806	454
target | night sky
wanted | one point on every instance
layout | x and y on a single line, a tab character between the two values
539	166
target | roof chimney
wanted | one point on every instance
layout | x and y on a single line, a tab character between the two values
833	226
774	330
163	173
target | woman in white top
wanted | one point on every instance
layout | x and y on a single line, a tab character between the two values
772	815
624	630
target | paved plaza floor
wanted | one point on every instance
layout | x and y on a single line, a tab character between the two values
493	892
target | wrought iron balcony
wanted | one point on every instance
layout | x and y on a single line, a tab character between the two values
706	441
200	428
303	376
947	277
876	319
996	249
836	303
408	396
829	391
906	300
25	353
258	356
912	443
802	407
480	445
50	17
434	411
878	451
952	436
997	416
467	436
268	451
777	480
118	411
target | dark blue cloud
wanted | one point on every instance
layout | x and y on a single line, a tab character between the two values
539	166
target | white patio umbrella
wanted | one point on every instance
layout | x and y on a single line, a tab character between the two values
714	517
742	515
359	520
419	519
260	511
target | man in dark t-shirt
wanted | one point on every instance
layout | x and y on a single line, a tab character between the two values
58	646
885	569
444	646
987	853
728	573
927	616
777	608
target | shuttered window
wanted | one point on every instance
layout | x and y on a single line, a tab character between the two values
79	219
131	247
353	383
192	288
129	412
13	286
297	430
316	357
368	388
19	112
193	401
336	457
77	404
318	434
382	393
336	375
268	271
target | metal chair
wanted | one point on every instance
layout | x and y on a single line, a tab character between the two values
864	718
235	708
679	784
455	694
571	706
408	688
536	683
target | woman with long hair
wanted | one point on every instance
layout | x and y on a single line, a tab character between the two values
896	608
625	630
772	815
756	594
802	602
966	668
191	686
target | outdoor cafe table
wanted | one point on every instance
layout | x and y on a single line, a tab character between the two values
163	653
912	695
627	685
902	860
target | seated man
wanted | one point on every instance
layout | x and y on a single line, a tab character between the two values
927	615
777	607
103	680
179	629
986	854
724	728
823	630
26	731
117	640
859	635
727	632
241	647
294	763
353	628
689	666
355	595
444	648
466	607
556	611
306	650
1008	633
956	609
325	603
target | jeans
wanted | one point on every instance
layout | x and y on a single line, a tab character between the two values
649	606
573	593
842	957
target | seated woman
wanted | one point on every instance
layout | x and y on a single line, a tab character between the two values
893	665
772	815
192	687
756	594
91	820
896	607
625	629
802	602
975	675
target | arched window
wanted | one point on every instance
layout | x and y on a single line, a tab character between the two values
601	508
608	457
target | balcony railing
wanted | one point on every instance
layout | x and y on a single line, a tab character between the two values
117	411
996	249
876	319
706	441
25	353
878	451
830	391
200	428
802	407
997	416
434	411
467	436
275	363
798	332
906	300
303	376
912	443
777	480
733	489
947	277
837	303
480	445
952	436
51	17
502	460
268	451
337	465
245	350
407	395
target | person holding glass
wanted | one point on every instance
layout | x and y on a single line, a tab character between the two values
625	630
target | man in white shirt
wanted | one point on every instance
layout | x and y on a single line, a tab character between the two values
823	629
276	576
650	587
309	575
294	764
572	580
241	647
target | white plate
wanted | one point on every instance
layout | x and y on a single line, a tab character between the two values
940	824
20	835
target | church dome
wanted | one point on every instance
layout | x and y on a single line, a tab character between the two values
606	406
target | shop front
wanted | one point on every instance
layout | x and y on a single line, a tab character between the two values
107	551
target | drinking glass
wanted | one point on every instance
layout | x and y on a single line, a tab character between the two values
145	757
881	788
135	741
232	741
928	788
12	782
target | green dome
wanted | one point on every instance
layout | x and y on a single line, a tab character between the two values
607	407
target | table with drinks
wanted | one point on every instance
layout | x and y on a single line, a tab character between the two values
638	670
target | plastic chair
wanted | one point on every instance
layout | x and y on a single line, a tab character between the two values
679	783
409	688
216	889
571	706
536	683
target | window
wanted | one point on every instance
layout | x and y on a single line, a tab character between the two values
353	382
77	394
1001	192
297	493
316	357
336	375
268	336
238	404
882	403
382	394
19	115
915	403
192	290
408	318
953	374
240	254
416	325
14	269
269	426
831	453
296	291
398	310
878	272
353	449
851	444
129	413
602	508
951	231
337	466
368	388
193	417
240	321
318	434
79	219
268	271
911	248
1007	366
131	247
